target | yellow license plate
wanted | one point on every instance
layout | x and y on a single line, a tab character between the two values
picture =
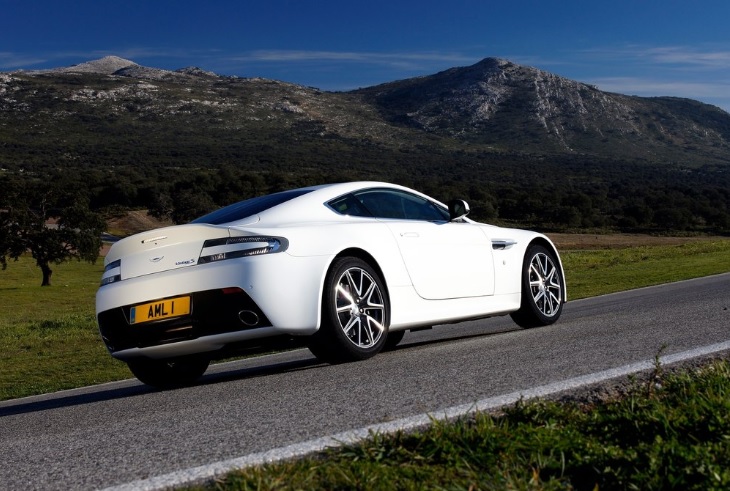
161	309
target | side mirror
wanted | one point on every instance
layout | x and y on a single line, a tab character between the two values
458	208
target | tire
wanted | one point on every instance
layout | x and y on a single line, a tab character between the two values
393	339
355	313
167	373
542	289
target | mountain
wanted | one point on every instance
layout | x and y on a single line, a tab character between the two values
104	66
499	103
491	106
114	65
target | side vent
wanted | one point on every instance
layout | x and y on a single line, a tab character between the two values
502	244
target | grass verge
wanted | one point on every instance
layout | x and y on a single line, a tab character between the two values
597	272
671	432
49	339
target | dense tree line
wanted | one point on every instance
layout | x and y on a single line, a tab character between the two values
523	191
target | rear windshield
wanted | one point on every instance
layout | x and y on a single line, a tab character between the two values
249	207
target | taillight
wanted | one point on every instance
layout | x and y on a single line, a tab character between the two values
235	247
112	273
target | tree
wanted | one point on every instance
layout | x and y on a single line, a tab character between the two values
190	205
53	224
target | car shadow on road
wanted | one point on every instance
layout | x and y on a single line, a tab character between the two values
306	361
51	401
132	388
260	370
414	340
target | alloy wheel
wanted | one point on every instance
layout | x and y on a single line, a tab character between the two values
545	284
360	307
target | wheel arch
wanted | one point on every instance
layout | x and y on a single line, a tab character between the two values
368	258
547	243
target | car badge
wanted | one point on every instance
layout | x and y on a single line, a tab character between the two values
156	259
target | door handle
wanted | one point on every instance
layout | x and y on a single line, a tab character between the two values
409	234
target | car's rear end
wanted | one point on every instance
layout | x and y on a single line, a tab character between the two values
182	290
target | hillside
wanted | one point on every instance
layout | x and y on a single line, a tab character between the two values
492	105
489	132
146	116
509	106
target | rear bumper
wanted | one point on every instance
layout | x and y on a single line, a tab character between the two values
213	312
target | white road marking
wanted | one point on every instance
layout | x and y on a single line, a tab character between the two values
207	472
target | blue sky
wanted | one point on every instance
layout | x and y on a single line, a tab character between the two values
638	47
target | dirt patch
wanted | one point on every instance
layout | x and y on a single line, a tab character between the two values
620	241
133	222
129	223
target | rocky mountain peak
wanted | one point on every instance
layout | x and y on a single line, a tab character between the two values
103	66
196	71
495	101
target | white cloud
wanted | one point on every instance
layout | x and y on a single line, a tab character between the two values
688	56
664	56
11	61
399	61
647	86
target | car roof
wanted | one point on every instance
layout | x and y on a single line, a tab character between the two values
310	206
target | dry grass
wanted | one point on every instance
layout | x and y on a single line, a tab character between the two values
621	241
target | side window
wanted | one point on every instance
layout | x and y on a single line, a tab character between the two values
382	203
417	208
389	203
349	205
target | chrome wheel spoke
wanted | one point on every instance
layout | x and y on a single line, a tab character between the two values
537	296
351	283
373	299
369	338
350	302
554	302
372	320
350	323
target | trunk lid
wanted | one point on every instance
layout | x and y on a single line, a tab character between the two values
162	249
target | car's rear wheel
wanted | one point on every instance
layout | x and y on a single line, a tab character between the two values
172	372
542	289
355	313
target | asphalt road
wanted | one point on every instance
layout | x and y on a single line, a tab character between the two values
120	432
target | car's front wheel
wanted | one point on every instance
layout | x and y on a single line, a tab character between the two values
542	289
355	313
172	372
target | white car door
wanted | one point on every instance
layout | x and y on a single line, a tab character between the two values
444	259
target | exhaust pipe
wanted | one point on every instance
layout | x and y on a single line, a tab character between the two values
248	318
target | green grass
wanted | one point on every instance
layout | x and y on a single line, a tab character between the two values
597	272
49	339
671	432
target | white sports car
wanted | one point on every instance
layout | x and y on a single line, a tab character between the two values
344	268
